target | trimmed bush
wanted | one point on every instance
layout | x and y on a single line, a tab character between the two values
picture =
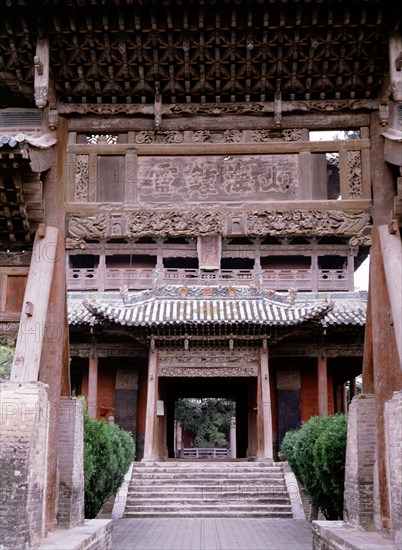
108	452
316	452
329	461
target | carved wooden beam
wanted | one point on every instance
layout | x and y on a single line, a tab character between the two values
41	81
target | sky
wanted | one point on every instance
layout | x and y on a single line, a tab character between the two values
362	275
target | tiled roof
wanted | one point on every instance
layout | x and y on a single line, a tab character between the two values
147	309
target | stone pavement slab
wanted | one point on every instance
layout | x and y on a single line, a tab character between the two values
211	534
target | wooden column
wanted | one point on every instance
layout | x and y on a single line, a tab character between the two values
344	399
150	443
33	329
264	420
102	271
391	249
351	272
322	386
314	272
92	385
353	389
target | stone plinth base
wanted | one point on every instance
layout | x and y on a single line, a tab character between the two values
393	422
70	463
336	535
360	458
95	534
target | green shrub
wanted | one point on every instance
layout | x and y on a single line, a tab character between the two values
7	349
316	453
329	461
108	452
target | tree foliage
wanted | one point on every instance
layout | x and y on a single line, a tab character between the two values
316	452
7	348
207	421
108	452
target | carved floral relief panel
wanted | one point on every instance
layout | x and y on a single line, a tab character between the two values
217	178
354	174
81	179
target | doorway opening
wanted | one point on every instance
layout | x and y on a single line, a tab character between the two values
206	407
202	428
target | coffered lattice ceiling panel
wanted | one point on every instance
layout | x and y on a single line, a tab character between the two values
125	51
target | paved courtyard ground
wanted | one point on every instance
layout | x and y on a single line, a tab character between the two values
211	534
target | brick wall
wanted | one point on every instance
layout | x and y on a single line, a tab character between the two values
393	421
70	463
360	458
25	413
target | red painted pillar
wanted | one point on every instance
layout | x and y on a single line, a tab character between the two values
322	386
92	385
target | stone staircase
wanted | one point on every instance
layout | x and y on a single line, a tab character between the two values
208	489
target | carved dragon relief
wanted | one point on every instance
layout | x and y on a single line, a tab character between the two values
214	109
201	222
306	222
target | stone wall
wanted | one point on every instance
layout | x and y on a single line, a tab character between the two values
95	534
23	448
360	457
393	421
70	463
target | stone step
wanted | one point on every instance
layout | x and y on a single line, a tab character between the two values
210	500
210	464
205	471
206	481
186	492
172	507
211	514
208	490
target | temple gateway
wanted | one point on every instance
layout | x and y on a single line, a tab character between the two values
186	192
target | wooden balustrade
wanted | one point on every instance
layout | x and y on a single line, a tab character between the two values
141	278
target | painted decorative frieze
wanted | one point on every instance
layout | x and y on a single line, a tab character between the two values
217	178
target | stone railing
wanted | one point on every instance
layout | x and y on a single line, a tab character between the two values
141	278
201	452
